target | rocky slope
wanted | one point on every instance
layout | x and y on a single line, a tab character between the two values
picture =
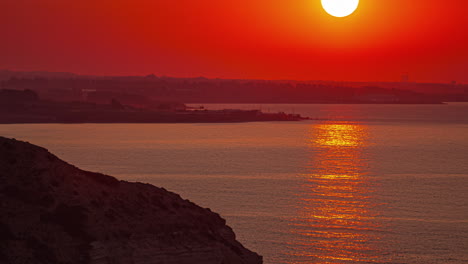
53	212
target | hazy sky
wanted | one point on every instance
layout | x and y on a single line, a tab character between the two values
268	39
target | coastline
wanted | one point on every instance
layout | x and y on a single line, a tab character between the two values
67	215
143	116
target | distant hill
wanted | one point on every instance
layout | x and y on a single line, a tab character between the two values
7	74
143	90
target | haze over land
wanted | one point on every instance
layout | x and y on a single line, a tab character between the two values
146	91
244	39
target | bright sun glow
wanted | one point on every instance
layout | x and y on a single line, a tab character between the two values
340	8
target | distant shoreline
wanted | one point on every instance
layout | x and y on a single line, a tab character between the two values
147	117
325	103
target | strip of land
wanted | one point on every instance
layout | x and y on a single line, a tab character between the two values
26	107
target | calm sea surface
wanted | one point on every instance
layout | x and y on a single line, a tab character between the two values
365	184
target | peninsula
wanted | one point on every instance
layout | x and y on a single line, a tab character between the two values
25	106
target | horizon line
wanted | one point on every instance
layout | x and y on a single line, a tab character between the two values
221	78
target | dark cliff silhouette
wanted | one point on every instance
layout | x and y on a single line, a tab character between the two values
53	212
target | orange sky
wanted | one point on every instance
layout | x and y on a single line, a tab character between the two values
261	39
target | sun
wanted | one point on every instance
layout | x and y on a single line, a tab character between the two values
340	8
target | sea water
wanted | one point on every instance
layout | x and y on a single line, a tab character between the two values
359	184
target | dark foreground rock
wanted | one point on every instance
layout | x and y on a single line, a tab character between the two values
53	212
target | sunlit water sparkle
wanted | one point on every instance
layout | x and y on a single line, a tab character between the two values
365	184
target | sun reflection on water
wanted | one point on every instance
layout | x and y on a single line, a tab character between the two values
335	218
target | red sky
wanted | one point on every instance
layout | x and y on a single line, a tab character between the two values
261	39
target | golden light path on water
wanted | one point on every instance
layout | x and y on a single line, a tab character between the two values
335	212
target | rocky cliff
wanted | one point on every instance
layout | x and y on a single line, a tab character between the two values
53	212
